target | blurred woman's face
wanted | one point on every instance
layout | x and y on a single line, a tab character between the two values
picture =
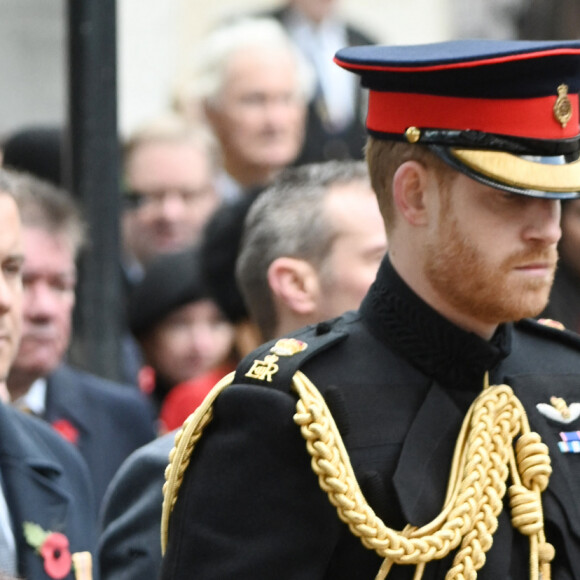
190	341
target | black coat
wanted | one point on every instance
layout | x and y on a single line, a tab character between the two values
111	420
45	483
399	379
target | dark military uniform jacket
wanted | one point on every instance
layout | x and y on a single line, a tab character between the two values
398	379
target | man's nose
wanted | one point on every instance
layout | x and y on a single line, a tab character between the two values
39	301
544	223
172	205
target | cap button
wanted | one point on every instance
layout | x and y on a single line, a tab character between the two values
413	134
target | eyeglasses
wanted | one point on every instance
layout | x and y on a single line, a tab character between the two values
155	199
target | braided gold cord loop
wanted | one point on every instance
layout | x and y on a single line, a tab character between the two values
533	461
526	510
179	457
481	465
531	473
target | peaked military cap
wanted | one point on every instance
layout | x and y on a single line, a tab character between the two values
503	112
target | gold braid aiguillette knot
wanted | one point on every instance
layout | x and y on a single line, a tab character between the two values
484	458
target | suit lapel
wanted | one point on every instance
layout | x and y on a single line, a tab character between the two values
64	401
31	482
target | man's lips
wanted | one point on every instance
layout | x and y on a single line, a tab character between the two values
538	268
39	336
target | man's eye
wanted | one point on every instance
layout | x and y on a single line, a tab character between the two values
253	100
134	199
13	268
63	286
512	198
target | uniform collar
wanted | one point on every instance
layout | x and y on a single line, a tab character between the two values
453	357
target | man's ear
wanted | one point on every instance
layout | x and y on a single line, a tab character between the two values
294	283
410	184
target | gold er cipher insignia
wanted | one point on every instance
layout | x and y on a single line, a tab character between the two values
264	370
563	106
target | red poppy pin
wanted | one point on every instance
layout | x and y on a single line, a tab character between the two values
53	547
67	430
146	380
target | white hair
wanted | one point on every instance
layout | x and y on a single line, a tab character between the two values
223	43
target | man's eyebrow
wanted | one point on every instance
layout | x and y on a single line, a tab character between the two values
15	258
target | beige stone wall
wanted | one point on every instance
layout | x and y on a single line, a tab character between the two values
389	21
158	37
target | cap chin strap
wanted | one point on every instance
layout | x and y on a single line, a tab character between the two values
484	457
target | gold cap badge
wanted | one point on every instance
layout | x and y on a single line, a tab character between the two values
563	106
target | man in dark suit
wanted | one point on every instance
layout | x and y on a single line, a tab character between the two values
47	522
334	126
104	420
391	452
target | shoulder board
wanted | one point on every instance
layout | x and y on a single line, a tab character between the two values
274	363
550	329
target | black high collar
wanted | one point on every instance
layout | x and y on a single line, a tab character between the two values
431	343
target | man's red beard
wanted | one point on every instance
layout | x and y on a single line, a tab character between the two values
490	293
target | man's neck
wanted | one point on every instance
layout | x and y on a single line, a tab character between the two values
19	383
288	324
250	176
413	276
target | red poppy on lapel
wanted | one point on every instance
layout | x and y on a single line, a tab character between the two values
67	430
53	547
57	558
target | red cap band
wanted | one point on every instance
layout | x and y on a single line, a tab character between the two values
529	118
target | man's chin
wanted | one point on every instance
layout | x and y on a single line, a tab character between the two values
168	246
35	367
533	306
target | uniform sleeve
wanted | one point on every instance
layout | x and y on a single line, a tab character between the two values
250	506
129	546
